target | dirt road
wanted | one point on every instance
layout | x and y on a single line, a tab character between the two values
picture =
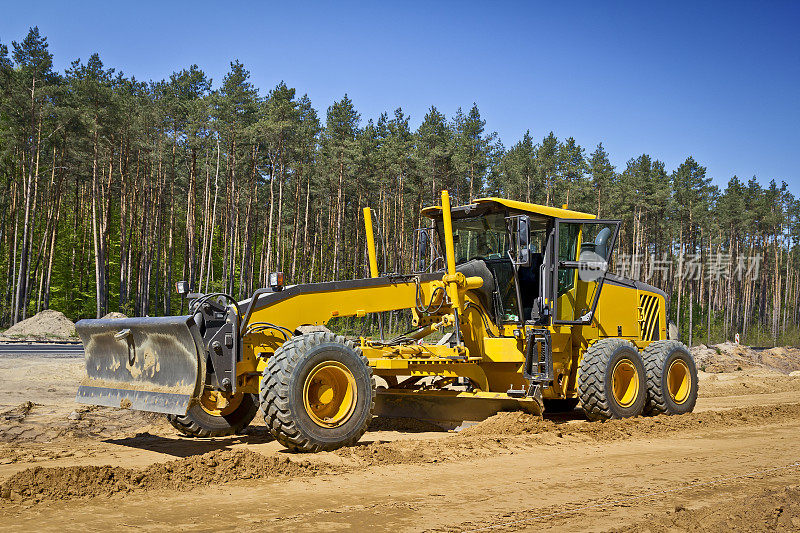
734	464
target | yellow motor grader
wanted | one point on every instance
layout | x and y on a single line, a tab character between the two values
518	313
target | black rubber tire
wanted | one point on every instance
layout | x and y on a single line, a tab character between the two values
282	392
595	387
658	357
198	423
560	405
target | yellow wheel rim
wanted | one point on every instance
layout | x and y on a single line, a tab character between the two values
216	403
625	383
679	381
329	394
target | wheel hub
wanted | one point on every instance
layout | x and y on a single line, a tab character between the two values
679	382
329	394
216	403
625	383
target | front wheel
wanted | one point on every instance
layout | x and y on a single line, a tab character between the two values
317	393
214	416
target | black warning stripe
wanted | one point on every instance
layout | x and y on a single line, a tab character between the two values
650	311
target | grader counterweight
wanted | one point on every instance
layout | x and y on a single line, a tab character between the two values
523	310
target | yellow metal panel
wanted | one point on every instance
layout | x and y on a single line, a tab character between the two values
502	350
319	307
618	306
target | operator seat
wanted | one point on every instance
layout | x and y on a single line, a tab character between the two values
477	267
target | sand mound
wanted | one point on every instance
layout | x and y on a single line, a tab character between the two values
115	314
730	357
516	423
46	324
218	466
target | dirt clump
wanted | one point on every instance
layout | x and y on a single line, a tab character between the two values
18	413
218	466
47	324
114	314
509	423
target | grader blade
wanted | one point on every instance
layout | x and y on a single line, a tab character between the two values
449	408
148	364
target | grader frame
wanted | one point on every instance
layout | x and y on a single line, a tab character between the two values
525	301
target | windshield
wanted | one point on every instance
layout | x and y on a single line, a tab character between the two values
483	237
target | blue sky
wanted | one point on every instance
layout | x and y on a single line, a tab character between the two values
718	81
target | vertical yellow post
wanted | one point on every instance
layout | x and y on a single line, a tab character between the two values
449	251
449	247
373	259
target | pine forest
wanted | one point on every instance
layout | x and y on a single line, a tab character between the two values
113	189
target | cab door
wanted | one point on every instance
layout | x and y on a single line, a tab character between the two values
578	261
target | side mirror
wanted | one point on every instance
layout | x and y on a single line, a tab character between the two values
520	226
592	266
422	250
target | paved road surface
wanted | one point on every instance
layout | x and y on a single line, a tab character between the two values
43	349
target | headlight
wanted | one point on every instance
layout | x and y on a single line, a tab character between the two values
182	287
276	281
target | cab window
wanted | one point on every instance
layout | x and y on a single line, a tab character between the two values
567	251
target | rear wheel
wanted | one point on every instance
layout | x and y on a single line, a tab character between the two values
611	380
216	416
671	378
317	393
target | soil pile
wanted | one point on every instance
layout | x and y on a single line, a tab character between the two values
218	466
115	314
47	324
730	357
512	423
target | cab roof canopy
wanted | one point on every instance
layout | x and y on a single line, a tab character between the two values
523	207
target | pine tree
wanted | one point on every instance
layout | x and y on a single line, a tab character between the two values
339	151
602	174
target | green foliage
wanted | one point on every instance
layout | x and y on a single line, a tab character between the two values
128	186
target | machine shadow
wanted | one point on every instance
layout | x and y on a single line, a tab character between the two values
179	446
565	416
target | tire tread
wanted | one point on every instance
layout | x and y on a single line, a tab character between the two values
275	388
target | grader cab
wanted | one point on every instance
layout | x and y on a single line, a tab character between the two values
518	312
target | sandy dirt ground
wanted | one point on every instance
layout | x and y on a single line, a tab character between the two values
732	465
